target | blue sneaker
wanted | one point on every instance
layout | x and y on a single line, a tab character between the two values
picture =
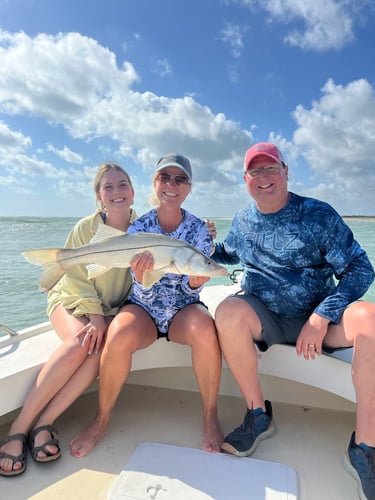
359	461
256	425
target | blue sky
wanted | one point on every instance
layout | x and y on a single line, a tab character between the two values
127	81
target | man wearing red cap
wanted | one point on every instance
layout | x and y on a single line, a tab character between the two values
303	276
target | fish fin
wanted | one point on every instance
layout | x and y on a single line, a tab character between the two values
95	270
48	259
50	276
104	232
151	277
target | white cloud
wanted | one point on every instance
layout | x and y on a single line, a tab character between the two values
232	35
337	138
57	77
11	140
313	24
96	98
66	154
72	82
163	68
14	158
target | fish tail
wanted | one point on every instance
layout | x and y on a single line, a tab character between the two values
48	259
42	256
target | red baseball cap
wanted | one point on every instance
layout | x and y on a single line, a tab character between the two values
262	149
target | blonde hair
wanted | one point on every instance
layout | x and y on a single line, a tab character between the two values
152	198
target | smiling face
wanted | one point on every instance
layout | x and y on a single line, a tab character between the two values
171	192
269	187
115	191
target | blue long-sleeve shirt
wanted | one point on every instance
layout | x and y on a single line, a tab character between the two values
299	260
172	292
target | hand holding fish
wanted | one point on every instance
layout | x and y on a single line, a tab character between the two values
197	281
141	263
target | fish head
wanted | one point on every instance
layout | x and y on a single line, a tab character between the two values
194	263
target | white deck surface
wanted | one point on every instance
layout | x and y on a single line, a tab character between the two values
167	471
310	440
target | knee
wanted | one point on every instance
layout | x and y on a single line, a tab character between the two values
224	312
73	352
202	332
363	317
231	315
122	341
117	342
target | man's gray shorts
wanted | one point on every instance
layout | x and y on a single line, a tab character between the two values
276	329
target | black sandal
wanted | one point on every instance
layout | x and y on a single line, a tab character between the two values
50	457
22	458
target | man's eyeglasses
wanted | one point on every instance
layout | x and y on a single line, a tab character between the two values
178	179
269	170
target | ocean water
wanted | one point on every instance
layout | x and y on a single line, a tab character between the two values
22	304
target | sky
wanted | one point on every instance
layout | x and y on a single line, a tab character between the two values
127	81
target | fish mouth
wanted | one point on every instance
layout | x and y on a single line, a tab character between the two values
223	272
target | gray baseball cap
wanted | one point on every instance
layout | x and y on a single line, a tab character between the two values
175	160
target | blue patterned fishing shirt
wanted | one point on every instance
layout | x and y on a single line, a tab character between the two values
299	260
172	292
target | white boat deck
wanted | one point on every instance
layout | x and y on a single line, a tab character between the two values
160	404
310	440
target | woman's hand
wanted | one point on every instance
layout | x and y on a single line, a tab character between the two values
140	263
93	333
197	281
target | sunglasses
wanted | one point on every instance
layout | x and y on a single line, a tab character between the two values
177	179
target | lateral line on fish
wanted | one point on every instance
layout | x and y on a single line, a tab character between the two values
127	249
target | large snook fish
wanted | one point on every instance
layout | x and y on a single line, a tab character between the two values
170	256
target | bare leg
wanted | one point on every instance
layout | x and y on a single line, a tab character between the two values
77	384
194	326
132	329
357	327
53	376
238	325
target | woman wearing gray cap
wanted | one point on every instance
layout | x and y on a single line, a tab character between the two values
170	308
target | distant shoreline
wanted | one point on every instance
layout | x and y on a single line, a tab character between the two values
33	217
345	217
358	217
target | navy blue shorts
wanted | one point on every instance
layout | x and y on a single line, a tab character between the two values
160	334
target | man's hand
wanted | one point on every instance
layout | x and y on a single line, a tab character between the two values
310	340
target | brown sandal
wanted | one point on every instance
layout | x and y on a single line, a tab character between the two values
50	457
22	457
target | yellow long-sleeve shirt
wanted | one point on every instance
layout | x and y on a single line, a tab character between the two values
102	295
